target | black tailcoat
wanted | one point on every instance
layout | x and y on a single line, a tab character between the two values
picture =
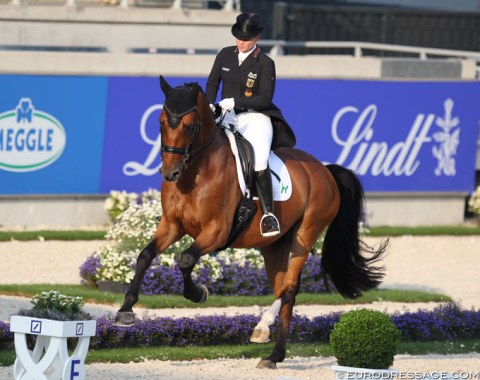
251	85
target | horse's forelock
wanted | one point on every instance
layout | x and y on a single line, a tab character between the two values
181	100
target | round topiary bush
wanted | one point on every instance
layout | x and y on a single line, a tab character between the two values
365	339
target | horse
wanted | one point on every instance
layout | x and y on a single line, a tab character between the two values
199	196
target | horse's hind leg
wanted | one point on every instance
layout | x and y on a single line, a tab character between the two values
286	290
276	263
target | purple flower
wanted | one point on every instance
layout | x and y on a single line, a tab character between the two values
446	322
88	270
236	280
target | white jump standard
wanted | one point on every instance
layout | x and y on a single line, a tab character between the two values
50	359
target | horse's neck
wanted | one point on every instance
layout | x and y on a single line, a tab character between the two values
215	159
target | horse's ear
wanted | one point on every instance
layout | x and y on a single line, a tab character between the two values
196	89
166	88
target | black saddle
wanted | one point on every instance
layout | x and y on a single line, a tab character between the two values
247	158
247	207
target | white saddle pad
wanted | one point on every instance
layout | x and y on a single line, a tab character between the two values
281	181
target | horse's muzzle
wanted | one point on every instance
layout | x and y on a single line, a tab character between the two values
171	175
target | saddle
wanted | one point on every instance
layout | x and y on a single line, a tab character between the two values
247	158
247	208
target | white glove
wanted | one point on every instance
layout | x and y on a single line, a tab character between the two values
227	104
212	107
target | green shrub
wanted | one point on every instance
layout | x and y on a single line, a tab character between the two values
365	339
54	305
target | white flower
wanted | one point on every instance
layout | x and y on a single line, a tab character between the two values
474	202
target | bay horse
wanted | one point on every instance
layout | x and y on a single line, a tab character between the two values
200	195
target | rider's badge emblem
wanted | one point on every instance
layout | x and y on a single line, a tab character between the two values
250	83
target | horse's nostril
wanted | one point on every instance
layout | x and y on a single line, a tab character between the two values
173	176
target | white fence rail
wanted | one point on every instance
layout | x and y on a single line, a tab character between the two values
227	5
358	49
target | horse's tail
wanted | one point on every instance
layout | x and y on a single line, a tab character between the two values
343	252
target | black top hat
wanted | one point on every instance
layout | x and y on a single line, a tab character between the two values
247	26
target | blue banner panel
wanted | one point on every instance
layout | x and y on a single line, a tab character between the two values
397	136
86	135
132	142
51	134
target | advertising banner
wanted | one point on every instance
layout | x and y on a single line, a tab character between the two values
132	140
51	134
397	136
132	133
89	135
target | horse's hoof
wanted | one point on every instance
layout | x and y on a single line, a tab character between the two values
204	297
265	363
124	319
260	336
200	295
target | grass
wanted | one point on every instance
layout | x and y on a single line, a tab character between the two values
425	231
138	354
461	230
170	301
51	235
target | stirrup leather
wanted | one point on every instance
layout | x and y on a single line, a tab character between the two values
270	229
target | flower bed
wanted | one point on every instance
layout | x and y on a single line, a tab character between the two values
444	323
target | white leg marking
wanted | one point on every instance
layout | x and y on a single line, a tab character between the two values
269	315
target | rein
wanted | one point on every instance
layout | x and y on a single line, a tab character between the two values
188	153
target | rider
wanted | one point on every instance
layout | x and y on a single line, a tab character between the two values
248	84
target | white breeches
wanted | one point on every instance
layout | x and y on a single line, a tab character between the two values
257	129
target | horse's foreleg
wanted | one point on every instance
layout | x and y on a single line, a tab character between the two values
125	316
191	291
144	260
165	235
207	241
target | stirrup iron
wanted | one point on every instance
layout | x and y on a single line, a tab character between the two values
273	232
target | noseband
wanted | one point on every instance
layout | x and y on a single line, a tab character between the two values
187	153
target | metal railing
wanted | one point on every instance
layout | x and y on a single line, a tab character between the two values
358	49
227	5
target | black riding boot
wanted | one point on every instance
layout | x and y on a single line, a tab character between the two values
269	225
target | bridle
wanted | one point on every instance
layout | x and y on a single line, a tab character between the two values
187	153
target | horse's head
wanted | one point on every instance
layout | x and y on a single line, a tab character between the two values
180	123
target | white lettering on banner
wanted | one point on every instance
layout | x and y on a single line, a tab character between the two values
30	139
360	152
448	141
377	157
148	167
